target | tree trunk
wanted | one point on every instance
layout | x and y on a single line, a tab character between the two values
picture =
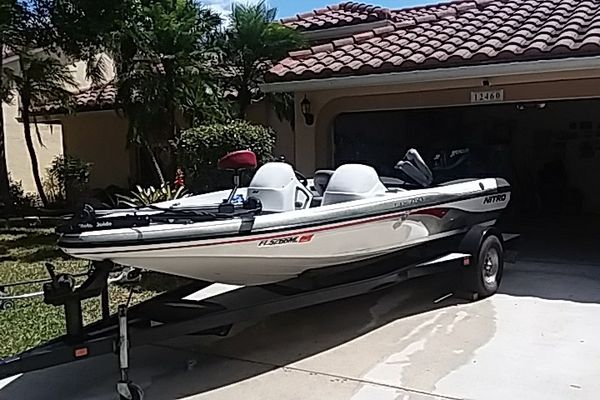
244	100
26	103
4	183
170	163
155	163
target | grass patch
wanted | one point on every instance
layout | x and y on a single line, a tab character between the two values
23	253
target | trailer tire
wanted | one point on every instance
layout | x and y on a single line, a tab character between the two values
133	391
136	392
484	277
7	305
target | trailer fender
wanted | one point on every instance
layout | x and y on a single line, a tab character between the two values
472	241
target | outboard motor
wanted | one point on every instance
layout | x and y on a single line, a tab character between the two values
452	165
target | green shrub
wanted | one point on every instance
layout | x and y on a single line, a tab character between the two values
200	148
67	178
19	200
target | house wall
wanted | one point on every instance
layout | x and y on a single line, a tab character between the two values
263	113
100	138
51	134
17	157
313	148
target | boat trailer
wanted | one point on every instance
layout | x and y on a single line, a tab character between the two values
207	308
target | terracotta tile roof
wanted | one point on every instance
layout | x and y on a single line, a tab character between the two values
338	15
91	99
458	33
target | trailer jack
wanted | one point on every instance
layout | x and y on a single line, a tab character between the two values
125	387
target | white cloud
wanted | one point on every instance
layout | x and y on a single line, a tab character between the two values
223	7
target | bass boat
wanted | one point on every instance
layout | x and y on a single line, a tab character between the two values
283	225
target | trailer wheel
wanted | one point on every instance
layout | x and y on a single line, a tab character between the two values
484	277
136	392
129	391
6	305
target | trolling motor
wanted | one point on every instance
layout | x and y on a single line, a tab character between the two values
238	162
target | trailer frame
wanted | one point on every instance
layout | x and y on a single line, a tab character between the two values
173	313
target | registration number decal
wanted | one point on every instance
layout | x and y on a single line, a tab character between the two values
298	239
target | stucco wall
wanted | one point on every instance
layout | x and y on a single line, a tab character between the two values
17	157
263	113
313	143
99	138
18	162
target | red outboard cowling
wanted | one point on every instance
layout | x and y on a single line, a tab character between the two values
238	160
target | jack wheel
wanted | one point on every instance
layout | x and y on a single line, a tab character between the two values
130	391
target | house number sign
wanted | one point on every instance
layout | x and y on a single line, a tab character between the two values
487	96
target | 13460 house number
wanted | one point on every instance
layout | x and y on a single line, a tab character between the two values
487	96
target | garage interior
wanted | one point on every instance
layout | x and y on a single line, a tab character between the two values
548	151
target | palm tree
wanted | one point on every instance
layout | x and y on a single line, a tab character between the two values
5	96
164	63
42	79
253	41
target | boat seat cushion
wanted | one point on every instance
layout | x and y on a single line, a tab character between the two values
243	159
276	186
353	182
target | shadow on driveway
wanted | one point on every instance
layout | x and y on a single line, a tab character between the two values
185	366
193	365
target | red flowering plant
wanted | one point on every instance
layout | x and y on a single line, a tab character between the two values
179	178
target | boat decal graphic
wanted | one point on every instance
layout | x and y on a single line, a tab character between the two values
498	198
297	239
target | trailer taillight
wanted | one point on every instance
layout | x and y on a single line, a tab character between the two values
81	352
467	261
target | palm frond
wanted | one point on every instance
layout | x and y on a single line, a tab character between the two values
45	80
7	93
38	134
96	69
253	42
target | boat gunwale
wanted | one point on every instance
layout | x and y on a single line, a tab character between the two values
136	242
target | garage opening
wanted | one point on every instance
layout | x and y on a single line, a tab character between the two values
549	152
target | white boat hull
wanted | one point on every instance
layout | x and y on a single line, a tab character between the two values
271	257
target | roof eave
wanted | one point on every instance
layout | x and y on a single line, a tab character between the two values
486	71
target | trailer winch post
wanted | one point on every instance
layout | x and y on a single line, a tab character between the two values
105	303
73	319
62	290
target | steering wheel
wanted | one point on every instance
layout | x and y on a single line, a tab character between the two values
301	178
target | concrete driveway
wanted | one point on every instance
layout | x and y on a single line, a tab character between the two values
536	339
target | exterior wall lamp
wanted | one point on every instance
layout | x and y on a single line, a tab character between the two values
309	118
